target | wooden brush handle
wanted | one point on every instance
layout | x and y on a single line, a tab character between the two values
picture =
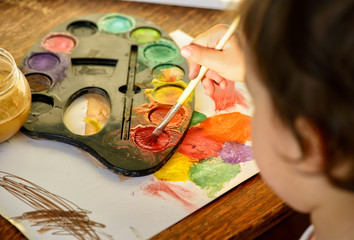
193	83
191	86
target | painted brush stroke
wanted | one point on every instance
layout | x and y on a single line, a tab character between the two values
227	99
198	146
207	138
176	169
211	152
234	153
212	174
161	188
52	213
197	118
228	127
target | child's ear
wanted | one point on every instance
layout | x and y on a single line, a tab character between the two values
313	159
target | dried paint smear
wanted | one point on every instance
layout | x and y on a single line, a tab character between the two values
234	127
227	99
176	169
234	153
212	174
197	118
161	189
198	146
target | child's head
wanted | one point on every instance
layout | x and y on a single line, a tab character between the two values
303	54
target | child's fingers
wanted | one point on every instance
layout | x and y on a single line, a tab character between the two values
223	84
211	37
209	87
210	58
212	75
193	70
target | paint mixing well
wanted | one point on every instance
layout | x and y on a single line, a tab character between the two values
102	83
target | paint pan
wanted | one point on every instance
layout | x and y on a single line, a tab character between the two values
167	94
45	70
157	114
89	74
116	23
82	28
39	81
59	42
140	136
168	73
145	35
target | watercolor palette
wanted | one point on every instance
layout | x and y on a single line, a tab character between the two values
102	82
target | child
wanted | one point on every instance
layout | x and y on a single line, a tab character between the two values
299	69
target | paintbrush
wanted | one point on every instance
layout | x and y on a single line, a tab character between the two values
191	86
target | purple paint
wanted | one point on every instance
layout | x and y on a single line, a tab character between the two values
53	65
234	153
43	61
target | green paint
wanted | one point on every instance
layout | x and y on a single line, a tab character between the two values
160	53
164	66
116	23
197	118
145	35
212	174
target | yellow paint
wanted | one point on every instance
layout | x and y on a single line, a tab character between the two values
158	83
97	114
166	93
94	123
176	169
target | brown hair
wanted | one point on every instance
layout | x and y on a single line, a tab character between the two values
304	52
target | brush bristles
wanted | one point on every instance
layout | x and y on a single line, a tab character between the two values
152	140
159	129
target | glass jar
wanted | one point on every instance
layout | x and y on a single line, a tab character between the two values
15	96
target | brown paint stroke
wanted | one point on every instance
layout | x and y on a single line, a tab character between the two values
51	212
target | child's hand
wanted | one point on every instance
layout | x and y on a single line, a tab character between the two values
226	64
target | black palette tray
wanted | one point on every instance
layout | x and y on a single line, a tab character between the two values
131	63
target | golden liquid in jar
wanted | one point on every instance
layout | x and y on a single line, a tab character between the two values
14	108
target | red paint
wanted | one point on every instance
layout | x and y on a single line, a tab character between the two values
226	99
161	188
228	127
197	145
59	42
157	115
141	136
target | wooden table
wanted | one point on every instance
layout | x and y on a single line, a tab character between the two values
245	212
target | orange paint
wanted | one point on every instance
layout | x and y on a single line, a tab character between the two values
158	114
228	127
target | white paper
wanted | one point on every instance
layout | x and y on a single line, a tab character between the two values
120	204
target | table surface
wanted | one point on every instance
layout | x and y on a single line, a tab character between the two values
246	211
